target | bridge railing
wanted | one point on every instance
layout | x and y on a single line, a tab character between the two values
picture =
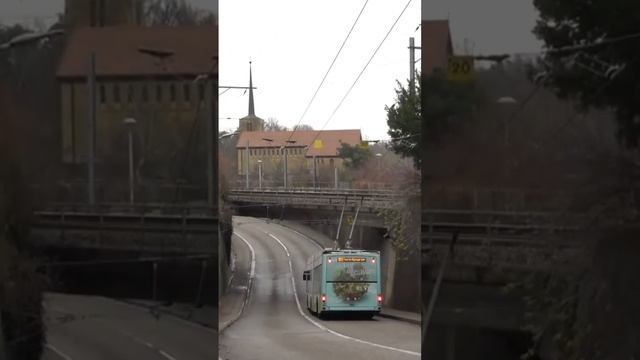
498	227
126	208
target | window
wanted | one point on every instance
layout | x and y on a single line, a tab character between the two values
116	93
159	92
103	94
172	92
130	93
187	92
145	93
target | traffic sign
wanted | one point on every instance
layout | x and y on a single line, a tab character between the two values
317	144
349	220
460	68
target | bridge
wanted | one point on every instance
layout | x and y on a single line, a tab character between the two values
325	204
469	255
156	228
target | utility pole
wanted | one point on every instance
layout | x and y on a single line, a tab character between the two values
210	148
412	65
335	176
315	181
91	127
284	152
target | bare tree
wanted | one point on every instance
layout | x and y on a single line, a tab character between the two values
303	127
273	124
175	13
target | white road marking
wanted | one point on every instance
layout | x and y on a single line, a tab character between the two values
295	295
252	273
148	344
58	352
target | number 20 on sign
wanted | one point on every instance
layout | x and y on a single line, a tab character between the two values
460	68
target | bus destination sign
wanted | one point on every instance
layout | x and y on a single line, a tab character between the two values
352	259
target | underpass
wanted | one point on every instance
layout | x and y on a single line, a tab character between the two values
491	249
275	324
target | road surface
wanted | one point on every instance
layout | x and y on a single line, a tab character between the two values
275	326
96	328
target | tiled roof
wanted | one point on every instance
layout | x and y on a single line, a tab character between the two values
436	45
330	139
116	49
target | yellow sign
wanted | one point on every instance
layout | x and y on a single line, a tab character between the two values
317	144
460	68
349	220
351	259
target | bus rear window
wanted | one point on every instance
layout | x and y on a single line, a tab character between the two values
351	269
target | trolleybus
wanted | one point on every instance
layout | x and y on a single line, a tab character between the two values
344	281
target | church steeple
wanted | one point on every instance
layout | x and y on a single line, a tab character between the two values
252	110
251	122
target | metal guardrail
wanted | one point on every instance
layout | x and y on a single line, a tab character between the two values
379	199
123	208
499	229
126	217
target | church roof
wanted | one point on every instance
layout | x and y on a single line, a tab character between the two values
330	140
195	51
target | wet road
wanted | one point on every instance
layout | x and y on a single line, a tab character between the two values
276	326
96	328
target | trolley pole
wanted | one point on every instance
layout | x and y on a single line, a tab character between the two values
335	243
353	225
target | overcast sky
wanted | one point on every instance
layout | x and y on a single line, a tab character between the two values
293	42
490	26
26	11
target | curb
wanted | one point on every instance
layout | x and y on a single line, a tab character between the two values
400	318
162	310
235	317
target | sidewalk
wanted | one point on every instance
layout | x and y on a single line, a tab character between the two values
232	303
326	242
205	316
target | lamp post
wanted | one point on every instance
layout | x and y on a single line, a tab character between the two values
130	123
506	101
286	164
260	174
270	141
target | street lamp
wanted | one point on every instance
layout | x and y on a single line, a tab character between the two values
260	174
130	123
379	156
286	173
506	101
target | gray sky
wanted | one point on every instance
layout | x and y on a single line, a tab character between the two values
26	11
293	42
490	26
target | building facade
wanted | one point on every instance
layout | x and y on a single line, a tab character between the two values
158	91
436	45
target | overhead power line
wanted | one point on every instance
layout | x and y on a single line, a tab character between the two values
362	71
328	70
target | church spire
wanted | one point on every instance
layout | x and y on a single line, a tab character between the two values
252	111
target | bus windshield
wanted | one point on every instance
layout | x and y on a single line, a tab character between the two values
351	268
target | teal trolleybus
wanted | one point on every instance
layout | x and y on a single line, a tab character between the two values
344	281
